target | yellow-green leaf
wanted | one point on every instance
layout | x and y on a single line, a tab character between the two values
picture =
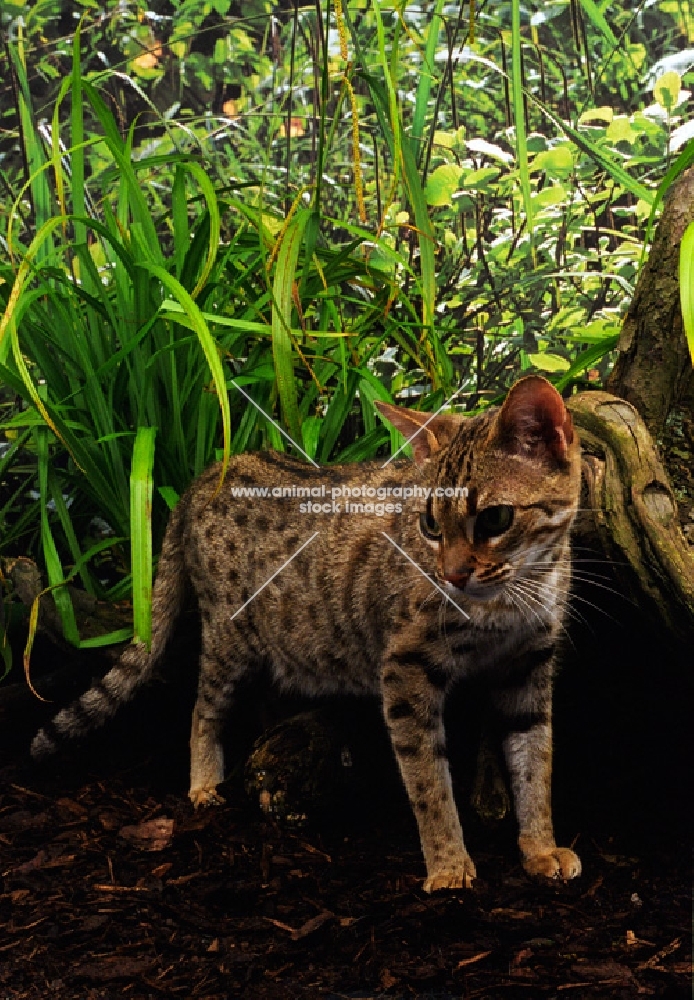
603	114
667	89
620	130
549	196
557	162
441	184
481	178
549	362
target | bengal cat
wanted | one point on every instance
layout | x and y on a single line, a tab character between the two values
400	605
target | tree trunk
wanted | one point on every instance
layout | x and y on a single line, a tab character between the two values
653	370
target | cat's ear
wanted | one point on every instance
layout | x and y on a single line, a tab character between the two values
425	440
534	421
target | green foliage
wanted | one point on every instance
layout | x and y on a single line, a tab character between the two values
189	251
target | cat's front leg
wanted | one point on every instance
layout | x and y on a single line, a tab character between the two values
413	694
525	707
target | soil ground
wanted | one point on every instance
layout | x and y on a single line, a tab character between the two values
96	903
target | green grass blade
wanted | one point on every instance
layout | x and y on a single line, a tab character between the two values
425	234
138	204
141	532
214	238
282	351
42	236
687	285
338	411
391	91
77	137
427	73
54	569
591	149
169	496
40	192
586	359
179	212
68	529
519	114
207	343
598	19
109	639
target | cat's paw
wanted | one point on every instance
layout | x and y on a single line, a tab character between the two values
458	876
556	863
203	797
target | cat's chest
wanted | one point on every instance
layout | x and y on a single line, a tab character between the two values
473	649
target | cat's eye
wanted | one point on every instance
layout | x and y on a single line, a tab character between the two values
428	525
493	521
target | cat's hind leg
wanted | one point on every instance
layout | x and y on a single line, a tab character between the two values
206	759
215	690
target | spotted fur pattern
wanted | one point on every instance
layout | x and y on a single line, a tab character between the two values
351	613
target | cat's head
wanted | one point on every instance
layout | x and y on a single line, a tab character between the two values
517	470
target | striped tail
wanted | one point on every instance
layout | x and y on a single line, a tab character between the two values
136	665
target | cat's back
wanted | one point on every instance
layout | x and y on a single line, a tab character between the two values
292	557
270	492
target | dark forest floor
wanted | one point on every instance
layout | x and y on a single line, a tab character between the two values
230	905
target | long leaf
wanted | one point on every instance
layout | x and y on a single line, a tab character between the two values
519	114
687	285
56	577
427	73
207	344
586	359
77	157
281	321
141	532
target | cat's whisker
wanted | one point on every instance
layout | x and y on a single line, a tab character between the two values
594	580
547	568
602	562
563	603
574	579
574	562
528	596
594	557
442	616
517	606
581	577
430	597
536	592
596	607
532	595
528	606
574	597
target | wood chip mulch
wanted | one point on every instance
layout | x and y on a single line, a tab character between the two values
113	888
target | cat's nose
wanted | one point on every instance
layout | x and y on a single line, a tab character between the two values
459	578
